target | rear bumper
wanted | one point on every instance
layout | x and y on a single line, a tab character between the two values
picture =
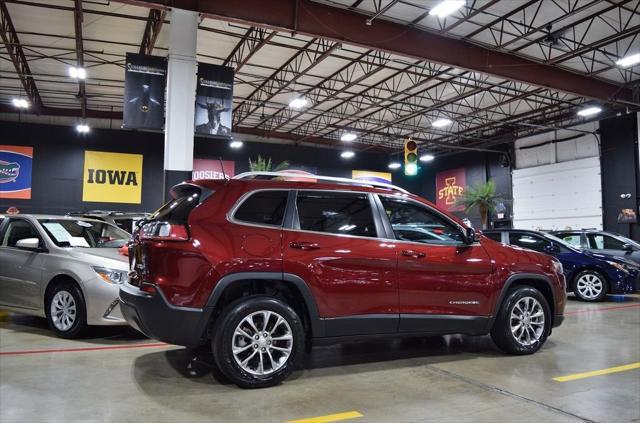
156	318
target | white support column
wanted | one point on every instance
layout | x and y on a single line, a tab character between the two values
181	96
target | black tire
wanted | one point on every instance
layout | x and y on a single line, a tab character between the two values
501	332
223	341
80	320
580	286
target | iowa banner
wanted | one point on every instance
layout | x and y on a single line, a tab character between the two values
15	171
144	85
214	100
112	177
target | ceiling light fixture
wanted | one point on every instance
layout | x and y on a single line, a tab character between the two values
20	103
77	72
298	103
627	61
347	154
395	165
83	128
348	136
426	157
446	7
236	144
442	122
589	111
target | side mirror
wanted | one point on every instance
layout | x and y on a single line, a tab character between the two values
29	244
551	249
628	247
471	236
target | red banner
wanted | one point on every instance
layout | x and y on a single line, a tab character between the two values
450	185
213	169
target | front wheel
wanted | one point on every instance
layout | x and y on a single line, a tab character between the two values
590	286
523	322
258	341
66	310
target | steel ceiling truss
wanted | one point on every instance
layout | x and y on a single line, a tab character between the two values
252	41
77	19
17	56
151	30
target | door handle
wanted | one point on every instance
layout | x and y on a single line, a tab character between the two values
413	253
306	246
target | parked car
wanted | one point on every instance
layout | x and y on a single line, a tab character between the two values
605	243
590	276
123	220
62	268
261	267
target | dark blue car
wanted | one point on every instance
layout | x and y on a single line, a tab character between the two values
590	276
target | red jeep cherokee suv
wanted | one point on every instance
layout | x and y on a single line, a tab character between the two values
261	267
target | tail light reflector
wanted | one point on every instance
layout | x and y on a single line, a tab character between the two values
163	231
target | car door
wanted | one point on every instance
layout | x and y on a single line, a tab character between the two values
440	278
20	269
606	245
333	244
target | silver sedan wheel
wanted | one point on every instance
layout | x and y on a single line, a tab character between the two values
262	343
527	321
590	286
63	310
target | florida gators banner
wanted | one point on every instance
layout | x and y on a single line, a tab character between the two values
112	177
16	163
450	185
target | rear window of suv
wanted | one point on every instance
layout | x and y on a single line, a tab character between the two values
263	208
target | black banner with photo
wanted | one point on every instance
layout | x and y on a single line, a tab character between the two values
144	87
214	100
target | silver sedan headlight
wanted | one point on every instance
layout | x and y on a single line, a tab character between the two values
112	276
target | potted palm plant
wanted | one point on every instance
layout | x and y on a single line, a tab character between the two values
263	164
483	197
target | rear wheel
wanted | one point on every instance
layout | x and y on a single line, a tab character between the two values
66	310
590	285
258	341
523	323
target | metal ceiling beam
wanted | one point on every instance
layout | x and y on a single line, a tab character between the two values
14	48
77	19
320	20
252	41
151	30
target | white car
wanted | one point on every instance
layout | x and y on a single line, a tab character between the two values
63	268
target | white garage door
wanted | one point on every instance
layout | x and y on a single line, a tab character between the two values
558	196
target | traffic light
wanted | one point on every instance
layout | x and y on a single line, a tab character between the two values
410	157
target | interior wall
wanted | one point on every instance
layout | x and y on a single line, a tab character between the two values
59	158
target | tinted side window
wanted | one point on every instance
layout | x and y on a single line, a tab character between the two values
531	242
264	208
603	242
336	213
412	222
496	236
16	230
573	239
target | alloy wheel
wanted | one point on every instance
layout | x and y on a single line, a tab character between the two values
527	321
590	286
262	343
63	310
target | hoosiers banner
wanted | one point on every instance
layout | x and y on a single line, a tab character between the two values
450	185
16	163
214	100
112	177
144	85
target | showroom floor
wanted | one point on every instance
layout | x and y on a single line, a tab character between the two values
116	375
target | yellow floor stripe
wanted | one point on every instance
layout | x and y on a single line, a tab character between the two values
585	375
329	418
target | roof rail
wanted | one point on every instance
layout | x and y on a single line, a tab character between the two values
347	181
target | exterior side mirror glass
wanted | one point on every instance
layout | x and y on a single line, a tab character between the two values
551	249
29	243
471	236
628	247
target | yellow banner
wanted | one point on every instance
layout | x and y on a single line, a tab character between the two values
112	177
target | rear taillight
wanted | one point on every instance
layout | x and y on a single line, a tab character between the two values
164	231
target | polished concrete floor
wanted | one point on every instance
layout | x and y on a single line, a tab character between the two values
117	375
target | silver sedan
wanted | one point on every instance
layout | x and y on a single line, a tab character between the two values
62	268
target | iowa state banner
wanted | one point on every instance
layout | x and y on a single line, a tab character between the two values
16	163
450	185
112	177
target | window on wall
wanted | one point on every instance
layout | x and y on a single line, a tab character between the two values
264	208
336	213
413	222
